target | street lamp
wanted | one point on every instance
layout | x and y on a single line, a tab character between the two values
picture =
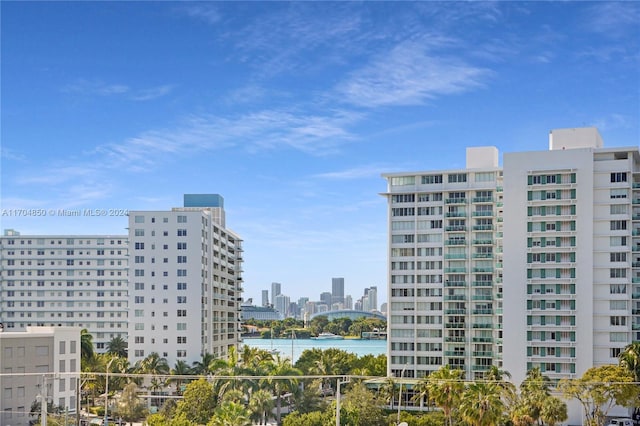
106	393
400	397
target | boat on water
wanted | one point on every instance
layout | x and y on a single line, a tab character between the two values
327	336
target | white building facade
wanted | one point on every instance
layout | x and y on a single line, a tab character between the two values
445	268
185	281
65	281
554	234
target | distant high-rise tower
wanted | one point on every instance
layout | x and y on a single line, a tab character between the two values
276	290
281	304
265	297
348	302
337	290
372	298
326	298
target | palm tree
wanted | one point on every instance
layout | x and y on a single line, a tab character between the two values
155	365
226	370
534	390
387	391
445	387
117	346
261	405
282	367
86	345
180	369
554	411
230	414
421	391
481	404
202	367
630	359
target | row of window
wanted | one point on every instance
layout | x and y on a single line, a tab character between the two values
179	218
69	241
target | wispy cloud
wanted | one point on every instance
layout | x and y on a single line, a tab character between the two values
203	11
59	174
100	88
373	170
10	154
152	93
613	121
95	87
613	18
409	74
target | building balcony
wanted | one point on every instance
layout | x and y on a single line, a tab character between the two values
455	339
454	325
455	242
635	217
482	227
636	201
483	213
635	327
482	242
454	297
455	228
454	353
455	201
482	283
635	264
635	280
455	214
480	367
481	326
455	311
482	339
499	189
483	269
455	284
635	312
483	354
482	255
483	312
482	297
482	199
455	256
636	185
455	270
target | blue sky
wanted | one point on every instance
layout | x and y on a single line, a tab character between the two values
291	111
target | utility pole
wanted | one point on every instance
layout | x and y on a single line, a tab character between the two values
43	402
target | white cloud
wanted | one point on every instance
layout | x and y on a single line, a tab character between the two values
614	18
354	173
10	154
409	74
152	93
203	11
96	87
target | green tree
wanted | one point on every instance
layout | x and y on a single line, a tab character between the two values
630	359
130	407
202	367
309	398
553	411
118	347
360	406
230	414
599	389
276	370
86	345
481	404
261	404
198	402
445	387
179	370
534	391
226	372
315	418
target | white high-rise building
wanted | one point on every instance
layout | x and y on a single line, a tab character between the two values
566	227
572	255
265	298
276	289
337	290
445	268
281	304
185	273
65	280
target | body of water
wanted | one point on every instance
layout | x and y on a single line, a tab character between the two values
287	347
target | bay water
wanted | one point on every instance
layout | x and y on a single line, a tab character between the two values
293	348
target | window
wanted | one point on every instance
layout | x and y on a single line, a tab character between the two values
403	180
139	246
618	177
139	232
181	354
138	273
182	232
182	339
617	241
182	259
139	286
617	273
182	272
181	326
618	257
618	209
182	219
618	193
182	286
182	299
617	305
431	179
618	225
138	219
182	312
457	178
139	259
182	246
139	299
617	288
618	320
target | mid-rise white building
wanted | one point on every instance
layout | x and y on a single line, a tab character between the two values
65	280
445	268
185	281
40	361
